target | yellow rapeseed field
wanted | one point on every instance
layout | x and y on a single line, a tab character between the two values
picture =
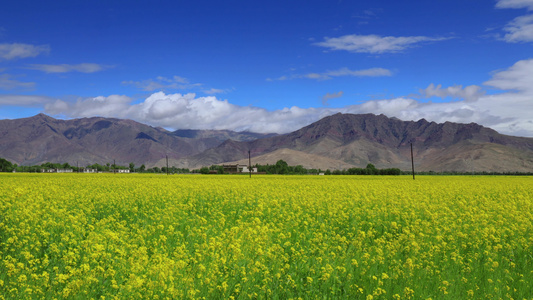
105	236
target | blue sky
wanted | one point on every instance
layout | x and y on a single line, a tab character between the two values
271	66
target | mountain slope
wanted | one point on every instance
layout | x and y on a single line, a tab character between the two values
294	158
221	135
337	141
41	138
385	142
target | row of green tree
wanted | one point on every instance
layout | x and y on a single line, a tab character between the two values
280	167
7	166
283	168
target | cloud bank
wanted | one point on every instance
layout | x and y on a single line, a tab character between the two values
375	44
25	100
329	96
163	83
17	50
372	72
469	93
508	112
7	83
65	68
521	28
515	4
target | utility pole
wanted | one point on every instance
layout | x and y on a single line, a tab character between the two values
412	162
249	163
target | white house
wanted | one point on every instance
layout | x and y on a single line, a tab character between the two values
246	170
238	169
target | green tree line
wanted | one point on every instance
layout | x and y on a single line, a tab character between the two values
7	166
280	167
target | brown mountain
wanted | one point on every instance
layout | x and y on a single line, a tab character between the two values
338	141
357	140
40	139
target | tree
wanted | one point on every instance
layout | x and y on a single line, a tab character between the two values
132	167
282	167
299	169
142	168
204	170
5	165
371	169
220	169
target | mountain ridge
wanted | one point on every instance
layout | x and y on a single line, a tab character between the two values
336	141
385	142
41	138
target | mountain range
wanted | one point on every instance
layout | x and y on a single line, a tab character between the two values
40	139
335	142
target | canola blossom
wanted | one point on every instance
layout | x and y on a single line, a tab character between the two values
105	236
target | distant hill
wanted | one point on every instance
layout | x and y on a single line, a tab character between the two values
356	140
336	142
39	139
221	135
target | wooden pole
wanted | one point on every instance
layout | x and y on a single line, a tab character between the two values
249	164
412	162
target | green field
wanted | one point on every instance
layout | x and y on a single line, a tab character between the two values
105	236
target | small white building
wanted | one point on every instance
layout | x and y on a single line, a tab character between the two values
57	170
246	170
238	169
232	168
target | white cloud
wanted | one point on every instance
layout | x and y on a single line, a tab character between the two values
24	100
372	72
16	50
508	112
469	93
65	68
187	111
174	79
111	106
515	4
213	91
518	77
375	44
519	30
7	83
329	96
163	83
